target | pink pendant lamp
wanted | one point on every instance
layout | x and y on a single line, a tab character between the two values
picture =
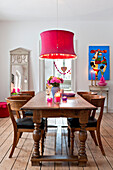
57	44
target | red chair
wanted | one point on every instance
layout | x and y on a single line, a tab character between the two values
4	110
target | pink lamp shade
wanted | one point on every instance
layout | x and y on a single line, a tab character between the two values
57	44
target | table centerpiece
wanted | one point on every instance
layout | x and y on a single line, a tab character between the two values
55	82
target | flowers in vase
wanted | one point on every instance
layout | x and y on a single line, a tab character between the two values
54	81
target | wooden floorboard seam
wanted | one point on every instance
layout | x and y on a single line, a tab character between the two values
107	131
67	150
92	155
6	138
18	152
1	120
108	124
107	141
5	129
5	154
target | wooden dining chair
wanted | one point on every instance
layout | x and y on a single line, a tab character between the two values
86	95
82	93
92	125
21	125
32	93
24	97
28	113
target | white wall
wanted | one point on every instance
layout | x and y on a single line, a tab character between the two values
27	35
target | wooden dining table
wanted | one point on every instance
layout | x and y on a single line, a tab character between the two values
75	107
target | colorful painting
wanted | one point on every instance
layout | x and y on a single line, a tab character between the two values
99	62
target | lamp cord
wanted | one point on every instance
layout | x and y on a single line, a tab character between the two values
57	24
57	14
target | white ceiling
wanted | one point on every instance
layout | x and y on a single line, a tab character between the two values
47	10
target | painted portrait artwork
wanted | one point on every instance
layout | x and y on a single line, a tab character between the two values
99	62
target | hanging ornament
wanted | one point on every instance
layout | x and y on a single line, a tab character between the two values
62	68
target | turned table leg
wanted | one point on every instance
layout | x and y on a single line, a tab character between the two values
82	157
36	138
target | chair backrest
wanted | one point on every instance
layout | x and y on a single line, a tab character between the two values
32	93
18	97
14	105
86	95
82	93
98	101
16	102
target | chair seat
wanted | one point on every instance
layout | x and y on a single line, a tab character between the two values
28	113
74	122
27	123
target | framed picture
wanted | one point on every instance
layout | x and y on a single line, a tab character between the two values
99	62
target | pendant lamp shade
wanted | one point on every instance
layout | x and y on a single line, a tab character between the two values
57	44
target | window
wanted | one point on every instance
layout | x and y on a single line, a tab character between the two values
51	70
67	77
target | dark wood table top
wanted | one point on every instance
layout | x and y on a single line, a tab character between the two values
39	102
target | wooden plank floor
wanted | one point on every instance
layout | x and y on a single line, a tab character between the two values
55	143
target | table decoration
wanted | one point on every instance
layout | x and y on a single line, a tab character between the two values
48	89
55	82
49	99
69	94
49	104
57	97
64	99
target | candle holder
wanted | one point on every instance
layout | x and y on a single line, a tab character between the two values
56	100
49	99
64	99
49	104
57	97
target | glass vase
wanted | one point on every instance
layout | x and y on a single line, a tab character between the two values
54	90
